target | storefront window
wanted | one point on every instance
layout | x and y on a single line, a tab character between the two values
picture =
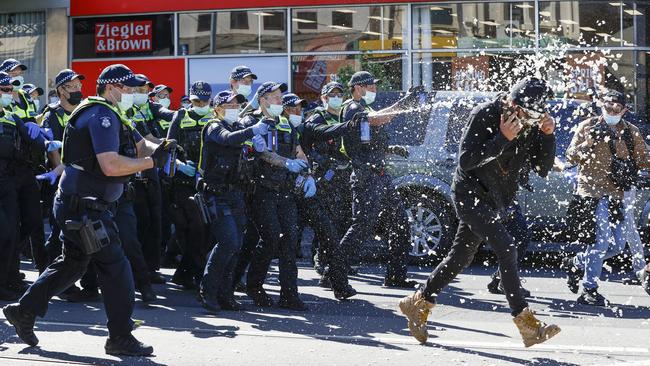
23	38
310	73
142	35
474	25
194	31
351	28
640	13
581	23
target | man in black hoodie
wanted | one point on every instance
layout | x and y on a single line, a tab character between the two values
500	136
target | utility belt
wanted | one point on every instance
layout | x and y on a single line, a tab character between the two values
129	191
276	186
93	234
216	189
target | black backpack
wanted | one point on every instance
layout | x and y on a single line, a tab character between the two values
623	172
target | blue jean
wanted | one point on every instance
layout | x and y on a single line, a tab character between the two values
228	223
610	241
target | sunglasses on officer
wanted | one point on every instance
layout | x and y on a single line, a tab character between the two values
6	89
531	115
613	108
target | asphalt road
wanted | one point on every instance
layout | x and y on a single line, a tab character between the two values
469	326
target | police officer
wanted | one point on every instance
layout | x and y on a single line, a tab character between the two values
331	165
310	208
15	137
374	194
185	102
274	211
101	151
23	107
222	145
147	189
34	92
241	81
190	231
160	95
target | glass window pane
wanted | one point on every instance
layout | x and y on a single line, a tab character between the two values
250	32
194	33
474	25
585	23
310	73
643	86
352	28
23	38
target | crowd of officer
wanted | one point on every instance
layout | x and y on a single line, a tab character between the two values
216	189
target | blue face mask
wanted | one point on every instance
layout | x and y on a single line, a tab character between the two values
610	119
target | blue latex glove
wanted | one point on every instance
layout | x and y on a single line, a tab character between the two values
310	187
47	133
260	128
32	130
259	144
329	174
53	145
295	165
49	176
186	169
255	101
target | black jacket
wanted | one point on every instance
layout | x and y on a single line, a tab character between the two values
489	165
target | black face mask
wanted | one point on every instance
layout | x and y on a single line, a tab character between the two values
75	97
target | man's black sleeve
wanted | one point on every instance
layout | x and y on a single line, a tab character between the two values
542	153
480	143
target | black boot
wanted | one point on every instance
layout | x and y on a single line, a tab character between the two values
84	295
229	303
210	305
156	278
400	283
260	297
147	294
23	323
127	346
8	295
345	293
494	286
292	303
573	273
184	279
592	297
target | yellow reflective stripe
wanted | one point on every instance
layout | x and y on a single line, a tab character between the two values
7	120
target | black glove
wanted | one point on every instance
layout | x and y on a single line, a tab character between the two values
411	99
357	118
161	154
399	151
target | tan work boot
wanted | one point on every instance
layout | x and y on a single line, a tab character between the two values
532	330
416	309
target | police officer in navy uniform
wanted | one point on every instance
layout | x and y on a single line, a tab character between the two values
101	151
190	232
310	208
146	114
15	138
160	96
332	167
223	149
374	194
280	174
23	106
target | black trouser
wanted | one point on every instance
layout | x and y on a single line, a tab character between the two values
479	222
375	199
251	241
126	221
115	278
275	215
330	249
148	208
515	223
190	232
29	216
335	197
8	226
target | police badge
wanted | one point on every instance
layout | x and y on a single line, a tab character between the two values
105	121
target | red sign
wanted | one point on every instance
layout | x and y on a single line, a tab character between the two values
131	36
168	71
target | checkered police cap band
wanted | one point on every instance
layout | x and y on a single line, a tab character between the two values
5	79
201	92
72	75
116	80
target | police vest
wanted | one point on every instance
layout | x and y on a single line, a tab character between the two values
189	134
78	150
331	152
27	113
219	164
283	140
371	155
10	141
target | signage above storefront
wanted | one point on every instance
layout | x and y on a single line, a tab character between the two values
129	36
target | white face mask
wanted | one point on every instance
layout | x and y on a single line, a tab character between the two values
37	104
231	115
187	105
610	119
54	100
6	100
20	79
275	109
201	111
126	101
139	98
165	102
369	97
335	102
295	120
244	90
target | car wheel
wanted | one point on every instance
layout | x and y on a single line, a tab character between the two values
432	228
